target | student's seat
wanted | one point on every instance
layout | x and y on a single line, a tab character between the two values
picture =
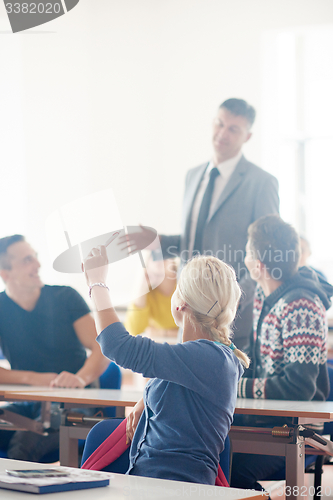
103	429
96	436
110	379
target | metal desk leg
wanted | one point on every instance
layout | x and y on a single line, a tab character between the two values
68	448
295	488
284	442
68	444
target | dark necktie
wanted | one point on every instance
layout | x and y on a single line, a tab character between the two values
204	211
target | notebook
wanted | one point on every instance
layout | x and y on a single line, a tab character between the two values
77	479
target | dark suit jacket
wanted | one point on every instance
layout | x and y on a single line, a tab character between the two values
249	194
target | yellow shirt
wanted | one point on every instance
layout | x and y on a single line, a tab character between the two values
156	313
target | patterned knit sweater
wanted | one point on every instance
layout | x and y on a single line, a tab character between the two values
289	345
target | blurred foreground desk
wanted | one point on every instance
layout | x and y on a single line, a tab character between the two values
73	427
289	442
124	487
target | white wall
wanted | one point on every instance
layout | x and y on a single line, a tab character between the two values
120	94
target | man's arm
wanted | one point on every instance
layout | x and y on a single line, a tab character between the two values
94	365
304	340
297	382
23	377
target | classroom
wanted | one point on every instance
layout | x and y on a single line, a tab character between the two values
166	184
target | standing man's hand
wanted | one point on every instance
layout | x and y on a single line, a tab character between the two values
144	239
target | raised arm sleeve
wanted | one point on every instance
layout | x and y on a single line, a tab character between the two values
185	364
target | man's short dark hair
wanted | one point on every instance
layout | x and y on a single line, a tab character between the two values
276	244
4	244
239	107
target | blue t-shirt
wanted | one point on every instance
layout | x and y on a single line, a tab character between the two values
189	403
44	339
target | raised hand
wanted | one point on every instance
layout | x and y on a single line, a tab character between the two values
95	265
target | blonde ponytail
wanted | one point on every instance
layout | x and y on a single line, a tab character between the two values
209	287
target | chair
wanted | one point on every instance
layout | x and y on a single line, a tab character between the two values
104	428
96	436
110	379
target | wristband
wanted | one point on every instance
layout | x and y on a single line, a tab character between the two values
97	284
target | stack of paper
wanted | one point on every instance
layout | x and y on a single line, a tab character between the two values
76	480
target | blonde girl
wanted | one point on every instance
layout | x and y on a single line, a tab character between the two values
179	427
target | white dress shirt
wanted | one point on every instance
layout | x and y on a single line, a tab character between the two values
226	169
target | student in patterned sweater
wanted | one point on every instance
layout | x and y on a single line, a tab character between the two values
289	342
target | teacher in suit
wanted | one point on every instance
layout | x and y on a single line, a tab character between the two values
222	198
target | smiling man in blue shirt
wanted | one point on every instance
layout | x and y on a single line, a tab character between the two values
44	333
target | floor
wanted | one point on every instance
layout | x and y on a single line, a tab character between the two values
276	489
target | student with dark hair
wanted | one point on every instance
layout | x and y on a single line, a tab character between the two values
289	343
44	333
222	198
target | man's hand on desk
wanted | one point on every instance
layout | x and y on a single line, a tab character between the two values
26	377
133	420
68	380
41	379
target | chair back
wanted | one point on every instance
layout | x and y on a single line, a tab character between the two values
110	379
96	436
104	429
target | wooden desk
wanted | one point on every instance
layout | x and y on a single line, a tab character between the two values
75	398
124	487
72	398
4	388
251	440
18	422
306	411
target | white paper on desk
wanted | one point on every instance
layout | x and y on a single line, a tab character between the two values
76	476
